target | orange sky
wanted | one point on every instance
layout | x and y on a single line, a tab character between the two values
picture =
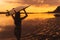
41	8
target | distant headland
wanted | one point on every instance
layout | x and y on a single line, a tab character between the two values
57	10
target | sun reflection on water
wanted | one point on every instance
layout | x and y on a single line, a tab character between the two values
4	20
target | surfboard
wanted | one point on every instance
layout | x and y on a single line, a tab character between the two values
17	9
8	13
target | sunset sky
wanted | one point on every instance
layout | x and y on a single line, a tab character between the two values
36	5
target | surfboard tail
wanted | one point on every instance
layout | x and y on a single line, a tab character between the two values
25	8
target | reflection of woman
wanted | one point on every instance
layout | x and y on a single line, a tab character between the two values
17	22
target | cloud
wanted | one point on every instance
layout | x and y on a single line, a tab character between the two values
51	2
33	2
12	1
36	2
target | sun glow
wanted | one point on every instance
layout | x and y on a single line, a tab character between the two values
7	6
41	9
1	1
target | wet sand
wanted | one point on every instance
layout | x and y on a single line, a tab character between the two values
47	29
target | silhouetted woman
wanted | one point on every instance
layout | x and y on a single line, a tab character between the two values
17	22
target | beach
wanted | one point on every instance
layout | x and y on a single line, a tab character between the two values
35	27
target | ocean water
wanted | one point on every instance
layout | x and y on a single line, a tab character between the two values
39	26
